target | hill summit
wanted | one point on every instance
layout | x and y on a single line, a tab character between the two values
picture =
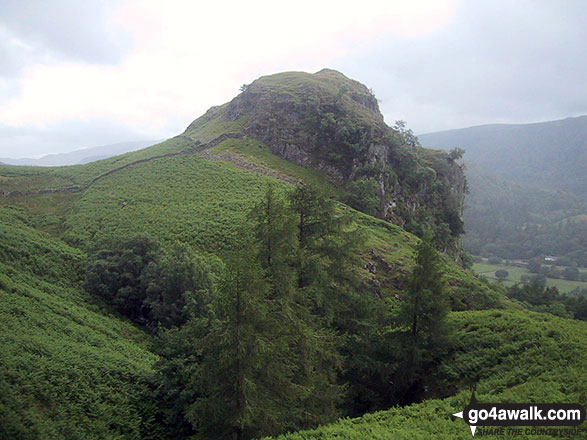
331	123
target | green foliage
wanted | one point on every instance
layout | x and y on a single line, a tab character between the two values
327	248
501	274
67	368
512	356
408	136
295	330
363	196
117	274
190	199
245	370
146	284
258	361
536	296
422	320
571	274
456	153
25	178
274	234
177	283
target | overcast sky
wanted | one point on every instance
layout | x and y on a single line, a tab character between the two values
76	74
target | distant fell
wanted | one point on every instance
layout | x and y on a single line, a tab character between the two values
552	154
82	156
527	188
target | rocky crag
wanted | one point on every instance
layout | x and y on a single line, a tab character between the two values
329	122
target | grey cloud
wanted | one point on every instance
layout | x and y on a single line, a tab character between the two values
498	61
36	30
20	142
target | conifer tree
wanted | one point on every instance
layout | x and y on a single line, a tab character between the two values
327	253
274	234
243	380
315	357
423	319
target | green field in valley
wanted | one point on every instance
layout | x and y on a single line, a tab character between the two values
515	272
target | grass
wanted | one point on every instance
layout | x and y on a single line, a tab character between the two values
260	154
204	203
25	178
211	125
186	198
68	368
516	272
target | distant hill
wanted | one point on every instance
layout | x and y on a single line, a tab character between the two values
512	219
553	154
85	155
527	188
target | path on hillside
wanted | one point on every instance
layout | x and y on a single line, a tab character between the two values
241	162
196	148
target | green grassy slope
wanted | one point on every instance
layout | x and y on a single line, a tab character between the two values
512	356
203	203
199	201
23	178
68	369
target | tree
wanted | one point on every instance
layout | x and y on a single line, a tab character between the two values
327	254
243	380
147	284
176	279
278	251
408	136
274	233
501	274
534	266
363	195
116	273
456	153
422	319
258	361
571	273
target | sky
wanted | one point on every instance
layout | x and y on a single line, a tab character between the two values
80	74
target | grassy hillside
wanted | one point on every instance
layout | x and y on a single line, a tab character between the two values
199	201
68	367
25	178
512	356
71	367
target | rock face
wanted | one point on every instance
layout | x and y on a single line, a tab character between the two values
309	119
329	122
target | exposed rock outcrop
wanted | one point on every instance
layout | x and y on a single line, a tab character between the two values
329	122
